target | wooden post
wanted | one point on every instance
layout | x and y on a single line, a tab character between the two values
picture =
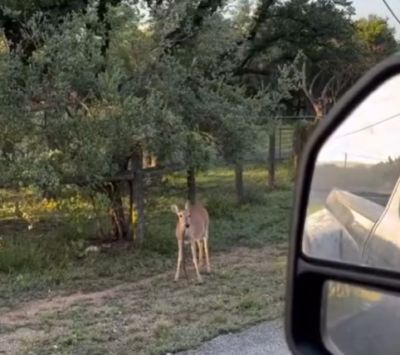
120	227
138	196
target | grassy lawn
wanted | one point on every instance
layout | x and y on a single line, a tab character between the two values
55	300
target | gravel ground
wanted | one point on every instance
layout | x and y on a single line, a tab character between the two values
264	339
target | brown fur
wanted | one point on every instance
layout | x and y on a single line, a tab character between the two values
192	228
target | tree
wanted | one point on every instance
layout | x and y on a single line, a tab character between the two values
87	90
203	91
70	123
15	14
371	41
376	39
275	32
75	114
323	82
281	29
234	117
335	56
272	102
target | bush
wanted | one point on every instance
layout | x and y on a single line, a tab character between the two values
220	206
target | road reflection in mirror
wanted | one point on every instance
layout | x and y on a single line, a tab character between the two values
353	213
360	321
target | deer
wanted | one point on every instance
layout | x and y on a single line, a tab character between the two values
192	228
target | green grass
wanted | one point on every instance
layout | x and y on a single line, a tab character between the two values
247	244
156	315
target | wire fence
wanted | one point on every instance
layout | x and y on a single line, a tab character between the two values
284	143
283	146
284	135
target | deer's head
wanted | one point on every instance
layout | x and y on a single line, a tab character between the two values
183	216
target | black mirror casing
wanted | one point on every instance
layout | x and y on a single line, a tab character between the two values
306	276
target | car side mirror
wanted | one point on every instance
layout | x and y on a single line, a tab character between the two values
344	263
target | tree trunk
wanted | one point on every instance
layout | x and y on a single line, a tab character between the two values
132	214
191	185
119	223
271	160
239	183
301	134
320	110
137	215
298	142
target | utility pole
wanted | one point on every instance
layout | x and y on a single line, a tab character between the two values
345	160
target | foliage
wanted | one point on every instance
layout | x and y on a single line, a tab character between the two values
376	38
83	114
325	32
75	114
100	86
74	122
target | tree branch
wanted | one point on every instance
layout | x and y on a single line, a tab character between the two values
304	83
260	16
326	87
180	35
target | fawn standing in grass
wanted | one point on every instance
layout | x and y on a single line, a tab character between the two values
192	227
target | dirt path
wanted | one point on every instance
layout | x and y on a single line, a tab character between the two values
31	310
130	315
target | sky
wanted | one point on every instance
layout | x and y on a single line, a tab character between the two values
377	7
371	133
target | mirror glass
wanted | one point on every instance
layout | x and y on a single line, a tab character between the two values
360	321
353	212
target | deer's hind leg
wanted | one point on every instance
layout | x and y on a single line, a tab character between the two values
200	245
207	252
196	266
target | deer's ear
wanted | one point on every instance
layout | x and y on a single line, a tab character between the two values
174	209
187	205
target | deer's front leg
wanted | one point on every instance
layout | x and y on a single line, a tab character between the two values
180	257
196	266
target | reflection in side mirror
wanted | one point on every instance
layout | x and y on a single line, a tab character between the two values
353	213
359	320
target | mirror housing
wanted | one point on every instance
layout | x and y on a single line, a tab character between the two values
305	296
